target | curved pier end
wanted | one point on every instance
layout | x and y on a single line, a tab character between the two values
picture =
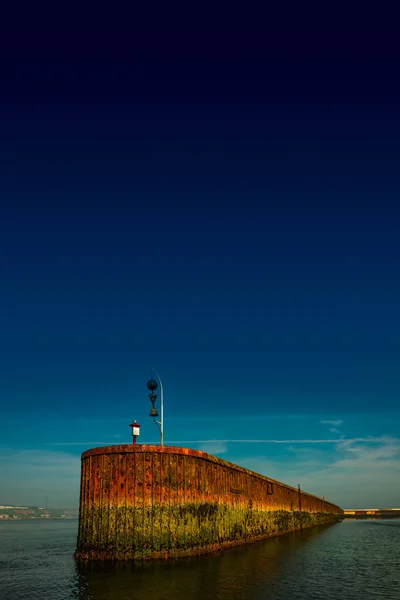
147	502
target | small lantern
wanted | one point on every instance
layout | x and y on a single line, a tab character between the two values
152	386
153	411
135	430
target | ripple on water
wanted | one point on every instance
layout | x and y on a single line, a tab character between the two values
352	560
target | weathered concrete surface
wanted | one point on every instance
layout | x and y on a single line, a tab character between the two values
140	502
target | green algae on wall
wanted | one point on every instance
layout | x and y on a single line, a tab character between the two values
140	502
133	533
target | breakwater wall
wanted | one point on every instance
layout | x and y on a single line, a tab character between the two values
142	502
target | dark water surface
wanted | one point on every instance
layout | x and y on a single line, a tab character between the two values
350	560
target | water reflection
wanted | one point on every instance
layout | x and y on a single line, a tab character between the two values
353	560
250	571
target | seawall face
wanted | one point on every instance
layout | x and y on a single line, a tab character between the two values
141	502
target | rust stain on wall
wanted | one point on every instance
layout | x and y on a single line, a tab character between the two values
140	502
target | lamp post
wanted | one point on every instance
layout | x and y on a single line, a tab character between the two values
152	385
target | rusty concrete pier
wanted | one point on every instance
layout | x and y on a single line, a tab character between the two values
145	502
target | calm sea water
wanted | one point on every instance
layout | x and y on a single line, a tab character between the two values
350	560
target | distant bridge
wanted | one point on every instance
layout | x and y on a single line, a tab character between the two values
372	513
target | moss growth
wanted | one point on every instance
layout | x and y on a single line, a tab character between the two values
139	533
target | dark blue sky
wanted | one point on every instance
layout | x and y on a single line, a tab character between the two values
222	207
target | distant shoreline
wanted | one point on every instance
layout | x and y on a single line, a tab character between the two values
39	519
370	517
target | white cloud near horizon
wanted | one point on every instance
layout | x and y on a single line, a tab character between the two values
359	473
331	421
274	441
28	476
225	441
214	447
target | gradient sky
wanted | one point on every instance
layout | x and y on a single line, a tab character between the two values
223	208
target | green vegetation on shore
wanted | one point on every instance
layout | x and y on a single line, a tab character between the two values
9	512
